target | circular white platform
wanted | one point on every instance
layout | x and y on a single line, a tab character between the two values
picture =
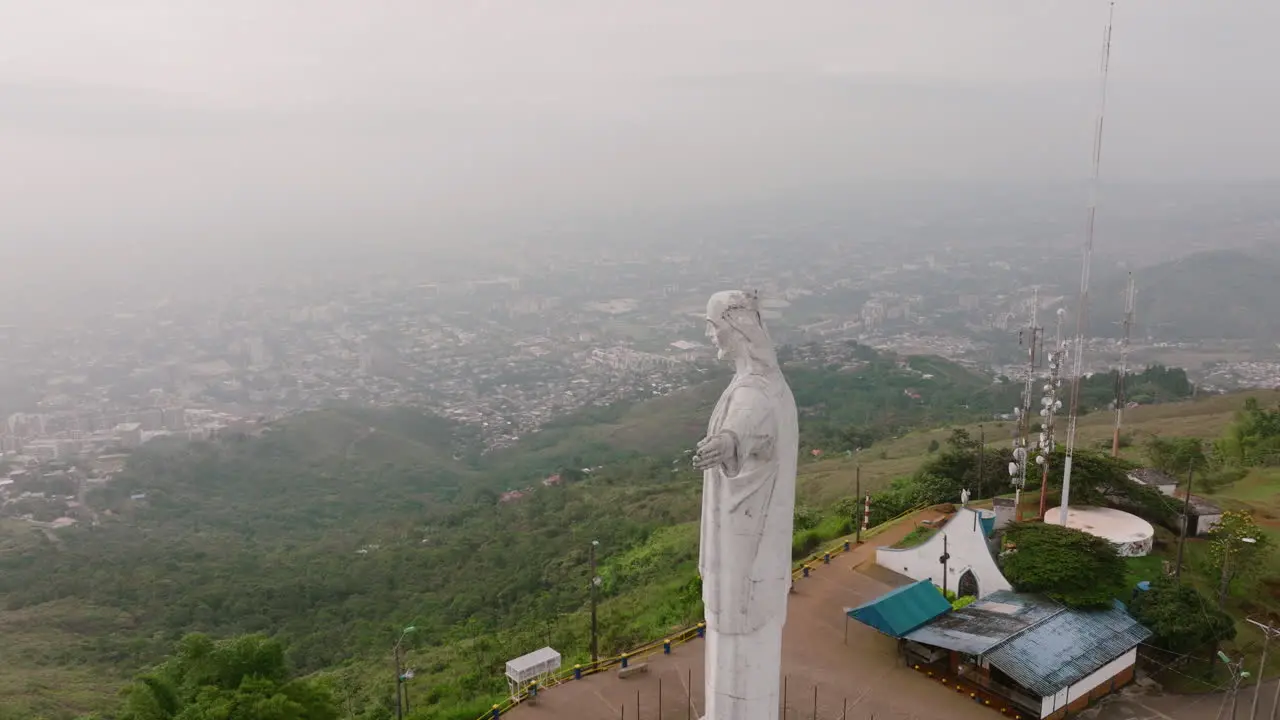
1131	535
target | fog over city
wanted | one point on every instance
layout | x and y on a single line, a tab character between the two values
163	129
337	333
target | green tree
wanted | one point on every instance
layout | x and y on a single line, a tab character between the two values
1237	550
244	678
1181	619
1071	566
1253	438
1175	456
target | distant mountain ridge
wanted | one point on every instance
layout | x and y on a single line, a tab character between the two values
1212	295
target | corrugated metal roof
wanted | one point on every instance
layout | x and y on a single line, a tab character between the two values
981	626
1067	647
900	611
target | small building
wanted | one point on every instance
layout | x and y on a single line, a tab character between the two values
533	667
1202	516
970	567
1045	659
1155	479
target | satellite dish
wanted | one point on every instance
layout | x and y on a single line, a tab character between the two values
1020	454
1013	468
1040	460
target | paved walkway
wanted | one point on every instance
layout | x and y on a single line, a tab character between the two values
860	675
1134	704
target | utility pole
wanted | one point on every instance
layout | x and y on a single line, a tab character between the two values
1124	369
399	684
1237	675
1186	521
1268	632
982	446
595	584
945	557
857	492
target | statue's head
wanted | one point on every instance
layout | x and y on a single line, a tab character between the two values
735	326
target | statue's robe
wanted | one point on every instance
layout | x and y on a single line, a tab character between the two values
745	555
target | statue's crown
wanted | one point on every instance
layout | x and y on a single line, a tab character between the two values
744	300
725	303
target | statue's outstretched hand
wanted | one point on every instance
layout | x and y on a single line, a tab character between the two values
717	450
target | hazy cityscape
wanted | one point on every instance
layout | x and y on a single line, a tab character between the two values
323	325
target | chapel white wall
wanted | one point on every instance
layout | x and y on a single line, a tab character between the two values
967	547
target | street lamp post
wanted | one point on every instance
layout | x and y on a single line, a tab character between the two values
402	693
1238	674
595	584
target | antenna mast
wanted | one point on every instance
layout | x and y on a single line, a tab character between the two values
1050	405
1032	335
1121	399
1086	263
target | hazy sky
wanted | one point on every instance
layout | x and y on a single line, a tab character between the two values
135	124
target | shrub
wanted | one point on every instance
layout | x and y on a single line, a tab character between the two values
1182	620
1070	566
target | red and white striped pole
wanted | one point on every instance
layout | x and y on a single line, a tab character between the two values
866	514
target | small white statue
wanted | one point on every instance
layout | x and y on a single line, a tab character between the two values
748	459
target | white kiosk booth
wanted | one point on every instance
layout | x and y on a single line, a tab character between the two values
535	666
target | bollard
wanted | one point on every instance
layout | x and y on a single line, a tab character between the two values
577	672
624	659
846	546
666	647
702	629
826	559
496	714
805	570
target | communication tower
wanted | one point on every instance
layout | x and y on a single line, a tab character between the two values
1121	398
1050	405
1032	337
1086	264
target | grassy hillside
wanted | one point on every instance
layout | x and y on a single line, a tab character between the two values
336	528
1212	295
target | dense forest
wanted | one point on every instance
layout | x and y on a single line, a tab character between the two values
331	530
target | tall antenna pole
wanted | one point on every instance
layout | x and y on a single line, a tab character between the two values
1051	405
1124	368
1018	468
1086	263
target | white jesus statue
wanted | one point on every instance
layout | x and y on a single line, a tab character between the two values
748	459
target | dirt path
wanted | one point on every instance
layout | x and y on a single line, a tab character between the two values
857	672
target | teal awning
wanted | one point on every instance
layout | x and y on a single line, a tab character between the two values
900	611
